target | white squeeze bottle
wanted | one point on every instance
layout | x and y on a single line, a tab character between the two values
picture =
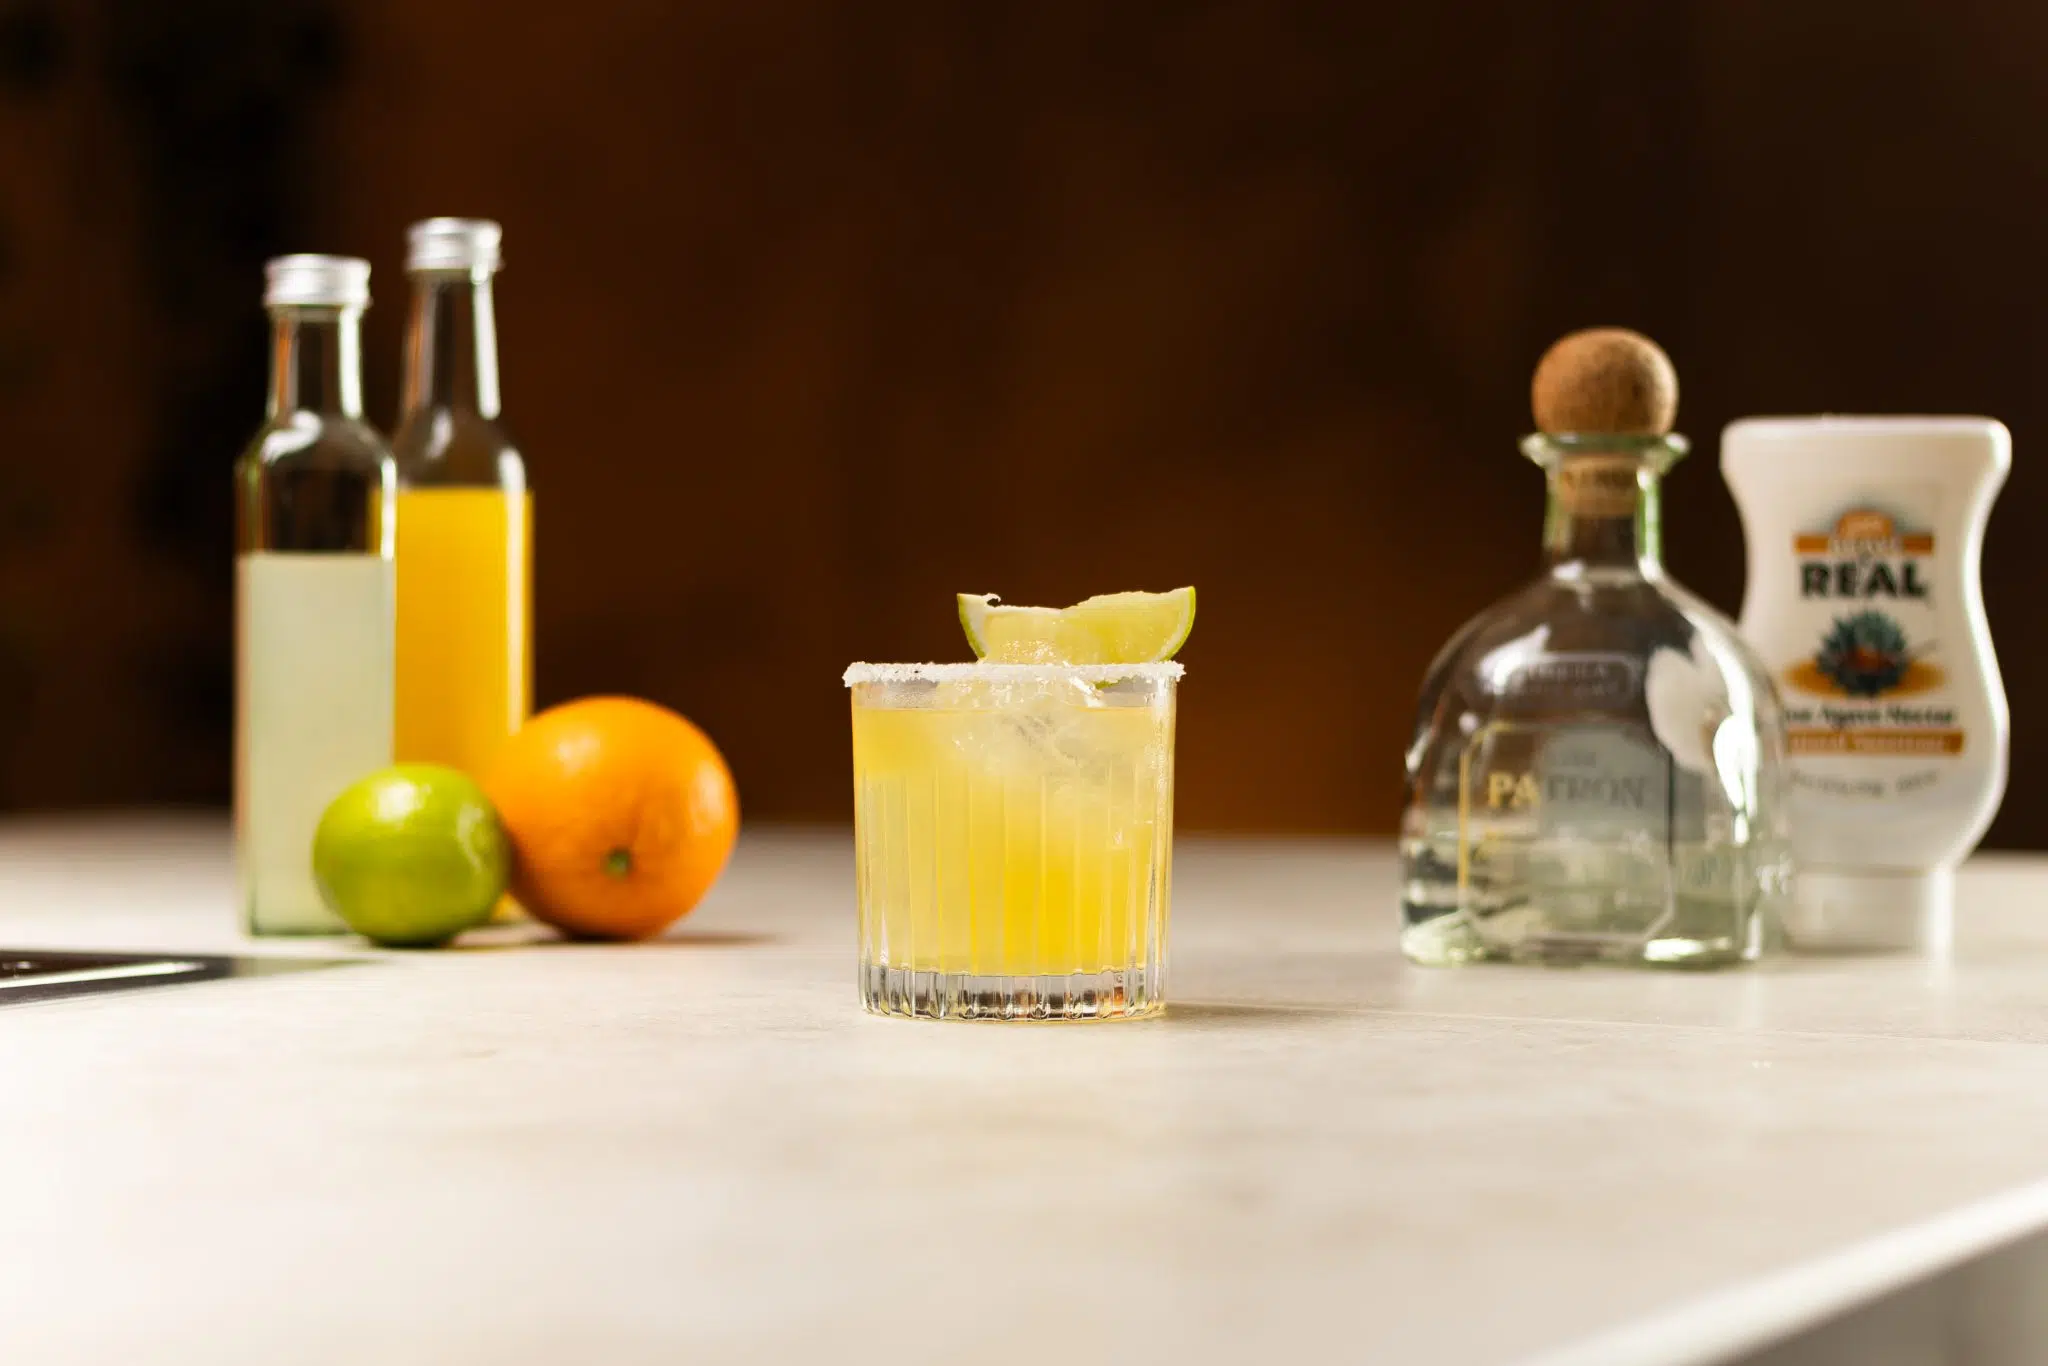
1864	601
314	593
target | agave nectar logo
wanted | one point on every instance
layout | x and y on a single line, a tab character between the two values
1871	684
1866	557
1865	655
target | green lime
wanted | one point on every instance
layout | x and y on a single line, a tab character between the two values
1113	628
412	856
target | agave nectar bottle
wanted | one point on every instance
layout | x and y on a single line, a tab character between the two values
314	593
1597	765
465	515
1864	535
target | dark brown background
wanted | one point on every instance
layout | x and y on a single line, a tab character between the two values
816	313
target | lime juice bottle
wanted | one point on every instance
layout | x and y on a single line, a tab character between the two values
314	592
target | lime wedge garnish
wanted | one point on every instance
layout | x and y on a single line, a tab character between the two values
1114	628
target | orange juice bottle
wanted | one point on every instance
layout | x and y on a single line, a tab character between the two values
465	515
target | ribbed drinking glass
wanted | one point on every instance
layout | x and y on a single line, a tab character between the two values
1014	838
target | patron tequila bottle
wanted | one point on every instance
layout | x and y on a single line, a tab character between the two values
1597	765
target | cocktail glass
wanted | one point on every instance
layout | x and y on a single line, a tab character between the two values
1013	830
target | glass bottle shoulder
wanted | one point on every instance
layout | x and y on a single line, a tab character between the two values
1589	645
455	447
1715	634
327	443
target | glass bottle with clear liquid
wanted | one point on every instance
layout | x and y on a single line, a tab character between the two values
465	513
315	592
1598	765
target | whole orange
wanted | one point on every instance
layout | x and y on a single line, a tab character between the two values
621	813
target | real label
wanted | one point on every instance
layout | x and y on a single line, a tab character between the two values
1871	682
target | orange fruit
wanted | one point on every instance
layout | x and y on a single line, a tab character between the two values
621	813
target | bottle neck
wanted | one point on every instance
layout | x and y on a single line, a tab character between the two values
316	361
451	344
1603	513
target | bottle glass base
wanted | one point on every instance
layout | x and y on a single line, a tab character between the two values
1691	935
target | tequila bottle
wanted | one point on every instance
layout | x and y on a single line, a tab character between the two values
314	590
1597	767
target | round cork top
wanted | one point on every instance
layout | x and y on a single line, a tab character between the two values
1605	380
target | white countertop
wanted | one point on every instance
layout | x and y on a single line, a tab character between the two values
701	1150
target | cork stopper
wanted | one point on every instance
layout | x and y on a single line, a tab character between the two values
1605	380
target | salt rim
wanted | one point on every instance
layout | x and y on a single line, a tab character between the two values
858	674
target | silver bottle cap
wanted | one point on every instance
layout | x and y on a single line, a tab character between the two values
316	282
453	244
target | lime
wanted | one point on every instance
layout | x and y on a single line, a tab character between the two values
1112	628
412	856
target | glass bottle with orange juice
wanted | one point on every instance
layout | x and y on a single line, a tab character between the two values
465	514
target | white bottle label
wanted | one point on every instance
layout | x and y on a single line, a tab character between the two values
1869	680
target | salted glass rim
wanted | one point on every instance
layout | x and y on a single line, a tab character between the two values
858	674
